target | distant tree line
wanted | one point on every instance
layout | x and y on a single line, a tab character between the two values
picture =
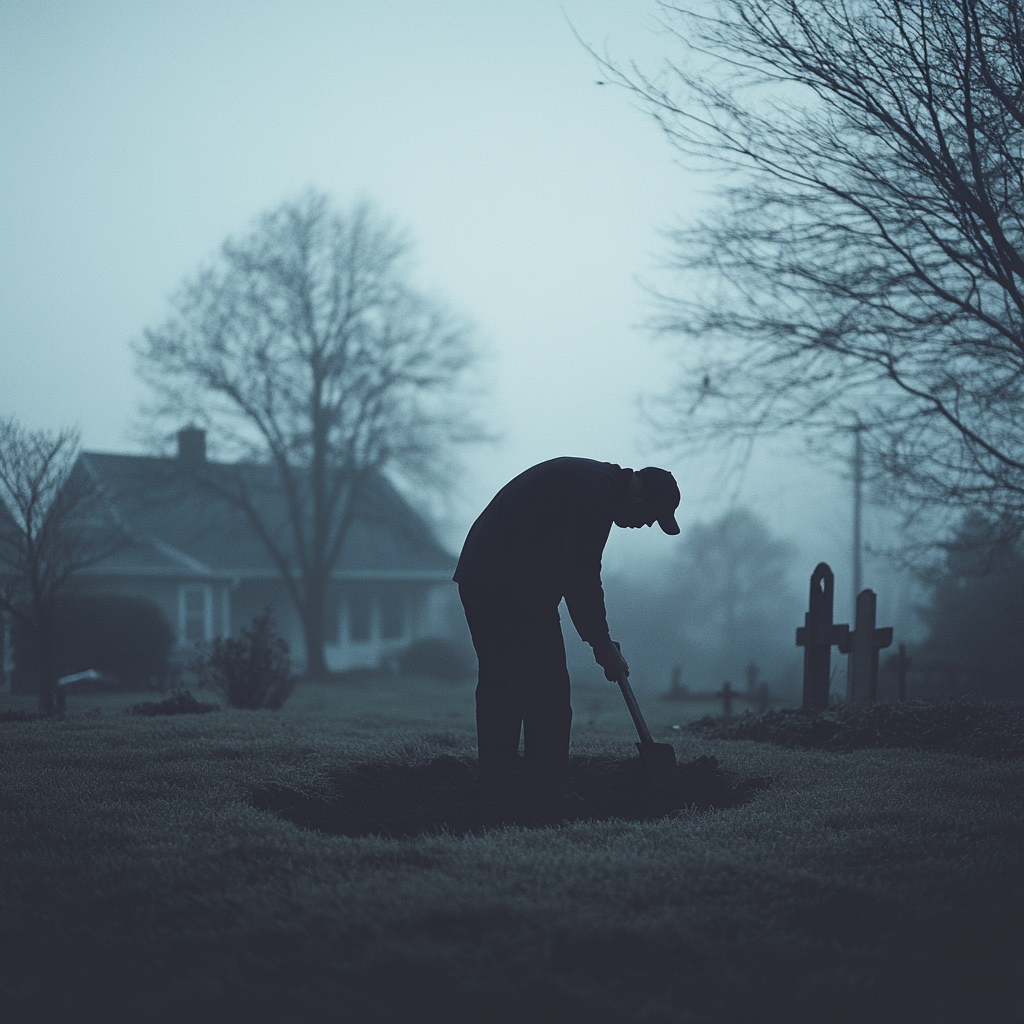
729	598
975	617
725	598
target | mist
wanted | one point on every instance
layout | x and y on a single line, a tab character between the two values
251	770
138	137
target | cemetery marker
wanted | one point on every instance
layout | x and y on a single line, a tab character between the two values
817	636
865	643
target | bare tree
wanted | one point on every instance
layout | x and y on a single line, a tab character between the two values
51	526
736	601
722	600
309	352
865	269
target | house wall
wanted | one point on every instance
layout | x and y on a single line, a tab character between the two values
368	623
196	610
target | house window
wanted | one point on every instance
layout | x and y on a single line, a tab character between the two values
360	616
392	616
195	614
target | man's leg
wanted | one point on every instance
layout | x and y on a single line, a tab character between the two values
547	712
499	713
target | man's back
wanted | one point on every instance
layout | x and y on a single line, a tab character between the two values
542	535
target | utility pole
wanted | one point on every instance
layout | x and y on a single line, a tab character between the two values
858	486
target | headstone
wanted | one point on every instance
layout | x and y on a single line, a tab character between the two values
866	642
817	636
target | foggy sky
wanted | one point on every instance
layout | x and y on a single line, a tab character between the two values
136	137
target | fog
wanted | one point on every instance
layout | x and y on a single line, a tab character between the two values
136	137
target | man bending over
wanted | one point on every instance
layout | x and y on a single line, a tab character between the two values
541	539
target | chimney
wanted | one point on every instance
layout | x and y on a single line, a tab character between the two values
192	446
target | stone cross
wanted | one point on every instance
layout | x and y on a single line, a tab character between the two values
817	636
866	642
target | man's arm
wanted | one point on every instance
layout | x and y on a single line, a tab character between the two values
588	524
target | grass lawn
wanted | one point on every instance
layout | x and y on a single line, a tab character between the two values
140	882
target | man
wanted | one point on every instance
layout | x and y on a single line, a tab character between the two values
541	539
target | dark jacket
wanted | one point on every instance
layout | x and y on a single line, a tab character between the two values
542	536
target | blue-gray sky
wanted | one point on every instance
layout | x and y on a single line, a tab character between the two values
135	137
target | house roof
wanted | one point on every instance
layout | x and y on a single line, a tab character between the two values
178	525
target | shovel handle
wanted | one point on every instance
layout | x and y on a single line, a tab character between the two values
634	709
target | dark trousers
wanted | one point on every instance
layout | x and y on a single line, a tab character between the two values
523	685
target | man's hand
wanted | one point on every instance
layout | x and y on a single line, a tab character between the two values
609	657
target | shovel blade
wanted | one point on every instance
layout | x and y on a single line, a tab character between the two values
660	761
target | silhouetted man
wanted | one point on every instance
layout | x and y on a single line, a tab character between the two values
541	539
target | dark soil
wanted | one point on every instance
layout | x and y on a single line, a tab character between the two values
443	797
16	715
953	727
182	703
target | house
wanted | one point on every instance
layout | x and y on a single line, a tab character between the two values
200	560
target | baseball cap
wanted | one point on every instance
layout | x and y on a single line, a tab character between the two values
661	492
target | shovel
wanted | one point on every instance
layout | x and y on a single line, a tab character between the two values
659	758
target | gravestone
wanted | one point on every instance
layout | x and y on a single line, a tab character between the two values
817	636
865	643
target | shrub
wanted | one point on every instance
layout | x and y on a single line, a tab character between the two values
254	670
115	634
437	658
17	715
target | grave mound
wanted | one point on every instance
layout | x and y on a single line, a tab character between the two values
952	727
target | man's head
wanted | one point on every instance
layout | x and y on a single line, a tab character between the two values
652	497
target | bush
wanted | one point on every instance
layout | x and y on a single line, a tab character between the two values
117	635
17	715
437	658
254	670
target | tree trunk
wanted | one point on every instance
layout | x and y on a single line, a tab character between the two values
49	702
314	633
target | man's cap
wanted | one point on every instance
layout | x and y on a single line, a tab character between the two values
661	492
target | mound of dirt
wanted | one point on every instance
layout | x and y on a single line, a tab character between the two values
182	703
16	715
954	727
443	797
